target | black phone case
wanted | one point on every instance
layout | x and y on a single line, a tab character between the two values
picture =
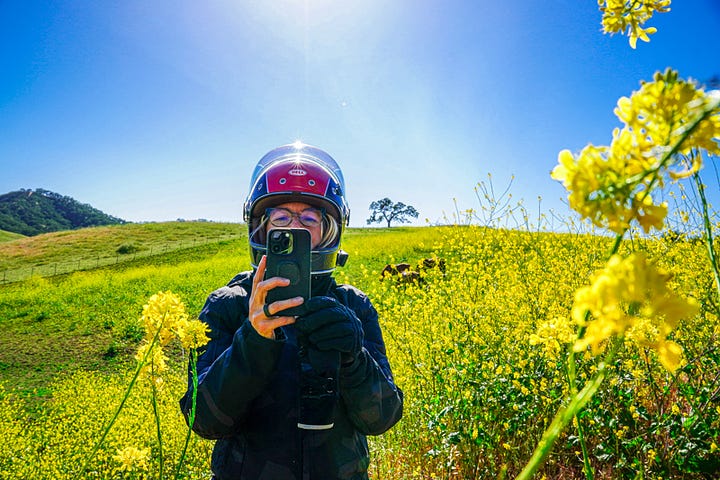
288	256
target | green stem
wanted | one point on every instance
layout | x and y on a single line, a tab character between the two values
572	374
157	426
191	420
121	406
589	474
708	231
566	414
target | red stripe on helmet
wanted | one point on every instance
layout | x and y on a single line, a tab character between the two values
297	177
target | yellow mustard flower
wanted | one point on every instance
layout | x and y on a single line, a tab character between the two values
161	316
132	459
668	123
620	16
630	297
554	334
660	112
193	334
155	362
164	318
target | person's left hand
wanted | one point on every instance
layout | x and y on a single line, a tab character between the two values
330	325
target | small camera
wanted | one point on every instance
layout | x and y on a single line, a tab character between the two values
281	242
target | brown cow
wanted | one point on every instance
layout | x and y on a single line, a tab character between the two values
405	273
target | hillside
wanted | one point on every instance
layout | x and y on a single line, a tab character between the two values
86	320
32	212
86	248
7	236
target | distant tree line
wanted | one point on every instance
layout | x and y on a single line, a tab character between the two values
32	212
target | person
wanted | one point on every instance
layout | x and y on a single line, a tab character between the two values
290	397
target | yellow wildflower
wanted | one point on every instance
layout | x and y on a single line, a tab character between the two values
554	335
670	354
164	318
132	459
651	454
161	316
156	361
660	112
193	334
630	297
620	16
614	185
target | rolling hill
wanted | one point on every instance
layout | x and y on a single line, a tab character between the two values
7	236
32	212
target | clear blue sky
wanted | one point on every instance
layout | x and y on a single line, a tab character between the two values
158	110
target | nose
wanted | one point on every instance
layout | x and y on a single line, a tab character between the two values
295	223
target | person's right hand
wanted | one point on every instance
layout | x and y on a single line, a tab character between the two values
263	323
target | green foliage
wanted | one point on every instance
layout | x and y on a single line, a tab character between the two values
478	393
127	248
31	212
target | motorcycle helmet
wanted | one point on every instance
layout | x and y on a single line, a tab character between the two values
298	173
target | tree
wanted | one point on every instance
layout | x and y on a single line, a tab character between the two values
386	210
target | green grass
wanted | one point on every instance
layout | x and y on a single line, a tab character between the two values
477	391
87	318
8	236
68	251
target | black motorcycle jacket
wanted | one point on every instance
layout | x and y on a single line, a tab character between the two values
248	395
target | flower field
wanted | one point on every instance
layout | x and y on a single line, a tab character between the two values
522	353
481	351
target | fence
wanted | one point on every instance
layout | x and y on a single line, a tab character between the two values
89	263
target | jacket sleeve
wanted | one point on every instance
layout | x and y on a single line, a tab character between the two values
234	368
373	402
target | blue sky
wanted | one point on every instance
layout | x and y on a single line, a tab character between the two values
159	110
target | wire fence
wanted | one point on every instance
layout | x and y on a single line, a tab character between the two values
50	269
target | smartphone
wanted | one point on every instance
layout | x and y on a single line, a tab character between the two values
288	256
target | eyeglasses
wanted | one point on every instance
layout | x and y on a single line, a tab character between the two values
282	217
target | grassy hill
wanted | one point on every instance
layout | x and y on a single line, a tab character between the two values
86	317
67	251
7	236
31	212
